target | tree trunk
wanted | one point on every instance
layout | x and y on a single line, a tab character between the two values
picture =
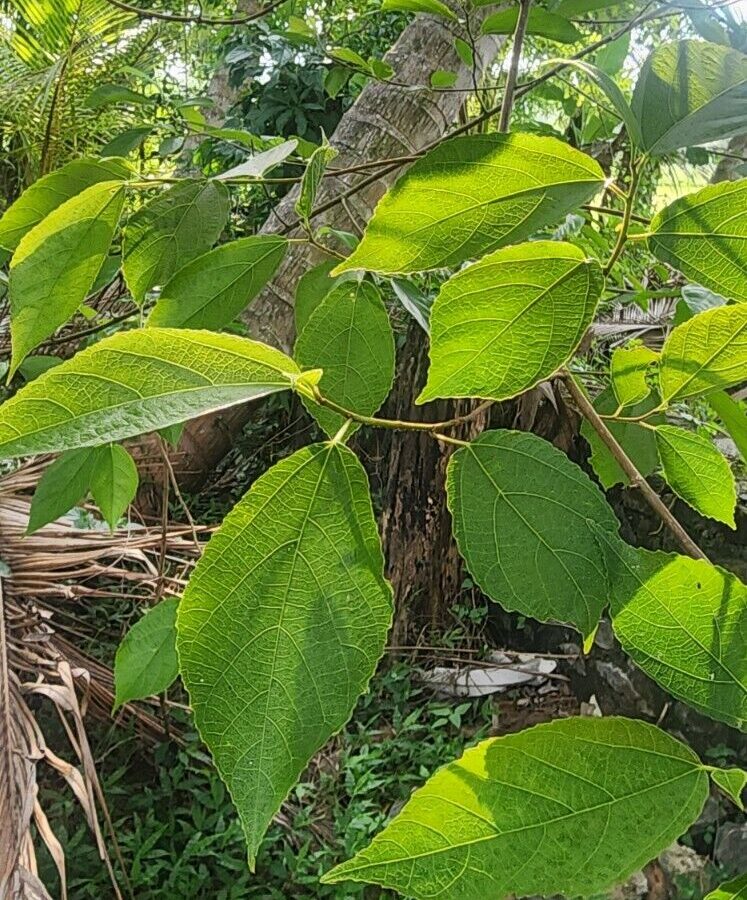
385	121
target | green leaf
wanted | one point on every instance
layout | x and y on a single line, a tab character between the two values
110	94
62	486
431	7
523	516
114	481
690	92
213	289
350	58
138	381
611	58
613	93
443	79
681	621
545	24
464	52
312	178
736	889
628	369
472	195
282	624
732	782
171	230
127	142
146	661
561	808
697	472
33	366
313	286
734	418
704	234
639	443
260	163
504	324
573	8
706	353
51	191
57	262
417	304
350	338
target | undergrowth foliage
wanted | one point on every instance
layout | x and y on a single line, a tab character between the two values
286	615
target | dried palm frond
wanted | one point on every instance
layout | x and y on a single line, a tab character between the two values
46	571
627	321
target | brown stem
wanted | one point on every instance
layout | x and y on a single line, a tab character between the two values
626	464
513	71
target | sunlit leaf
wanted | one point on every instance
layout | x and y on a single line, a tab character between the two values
628	369
546	24
736	889
282	624
472	195
51	191
431	7
138	381
510	320
56	264
562	808
681	620
260	163
706	353
704	236
697	472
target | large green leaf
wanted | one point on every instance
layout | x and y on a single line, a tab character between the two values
213	289
313	286
563	808
682	621
282	624
706	353
697	472
628	369
51	191
472	195
57	262
546	24
349	337
137	381
62	486
736	889
690	92
146	662
704	235
114	481
523	517
172	229
638	442
510	320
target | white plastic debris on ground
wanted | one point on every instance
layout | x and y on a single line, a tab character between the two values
502	673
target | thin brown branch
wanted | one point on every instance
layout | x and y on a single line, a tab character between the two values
198	19
626	464
513	70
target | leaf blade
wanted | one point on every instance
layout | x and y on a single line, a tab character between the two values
521	512
446	209
507	322
471	831
211	290
114	482
312	606
146	379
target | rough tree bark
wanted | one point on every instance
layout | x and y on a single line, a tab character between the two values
385	121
